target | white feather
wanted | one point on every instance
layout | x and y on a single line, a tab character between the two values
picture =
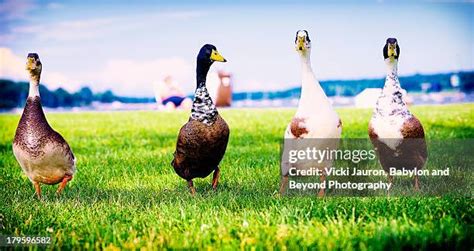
34	89
391	111
320	118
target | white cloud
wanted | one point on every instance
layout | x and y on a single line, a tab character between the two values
66	30
123	76
183	15
132	78
54	6
11	65
14	9
55	80
73	30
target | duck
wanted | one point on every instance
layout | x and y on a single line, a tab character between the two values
202	141
315	118
396	134
43	154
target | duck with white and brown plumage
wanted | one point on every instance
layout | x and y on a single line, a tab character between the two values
42	153
316	125
202	141
397	135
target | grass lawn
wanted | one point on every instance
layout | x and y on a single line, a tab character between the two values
125	193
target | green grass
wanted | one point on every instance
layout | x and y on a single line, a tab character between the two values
125	193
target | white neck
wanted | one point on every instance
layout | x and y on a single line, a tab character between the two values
306	63
311	90
391	101
34	87
392	71
307	74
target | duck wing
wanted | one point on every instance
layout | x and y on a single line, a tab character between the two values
200	148
40	150
410	152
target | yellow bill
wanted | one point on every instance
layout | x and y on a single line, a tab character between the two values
216	56
30	63
392	51
300	43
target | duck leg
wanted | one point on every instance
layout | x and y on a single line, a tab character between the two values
283	184
322	179
37	189
215	178
390	181
66	179
417	183
191	187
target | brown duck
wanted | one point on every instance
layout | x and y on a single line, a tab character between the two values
42	153
202	141
396	134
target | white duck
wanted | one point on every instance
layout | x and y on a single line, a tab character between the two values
315	117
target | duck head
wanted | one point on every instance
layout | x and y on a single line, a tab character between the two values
207	55
391	50
33	65
302	42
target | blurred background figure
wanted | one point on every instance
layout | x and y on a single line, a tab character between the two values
170	95
219	86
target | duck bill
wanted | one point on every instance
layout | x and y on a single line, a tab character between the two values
30	63
300	44
392	52
216	56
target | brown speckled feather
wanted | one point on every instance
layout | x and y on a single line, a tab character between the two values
410	153
200	148
36	144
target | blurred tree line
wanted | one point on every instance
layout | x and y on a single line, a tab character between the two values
13	94
414	83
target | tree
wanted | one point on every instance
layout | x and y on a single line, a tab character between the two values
107	97
64	98
85	96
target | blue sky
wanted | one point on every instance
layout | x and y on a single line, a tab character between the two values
126	48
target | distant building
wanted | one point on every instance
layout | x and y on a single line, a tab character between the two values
425	86
455	81
367	98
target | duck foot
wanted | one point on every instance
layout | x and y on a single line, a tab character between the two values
390	181
322	179
37	189
66	179
417	183
283	184
191	187
215	178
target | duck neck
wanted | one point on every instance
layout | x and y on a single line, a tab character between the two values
390	102
392	84
306	74
203	109
306	64
34	86
201	73
310	89
33	111
392	72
